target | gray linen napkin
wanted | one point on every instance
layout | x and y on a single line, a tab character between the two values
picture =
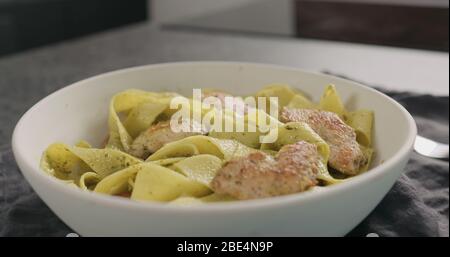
417	205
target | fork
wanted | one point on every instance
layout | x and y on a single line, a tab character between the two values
430	148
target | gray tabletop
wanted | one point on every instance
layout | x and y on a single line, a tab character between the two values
27	77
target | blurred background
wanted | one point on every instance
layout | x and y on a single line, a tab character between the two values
419	24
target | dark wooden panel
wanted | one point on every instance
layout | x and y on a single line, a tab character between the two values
396	25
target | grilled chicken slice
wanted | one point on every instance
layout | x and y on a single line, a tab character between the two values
259	175
158	135
346	155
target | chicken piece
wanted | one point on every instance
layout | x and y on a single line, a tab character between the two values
239	105
158	135
346	155
259	175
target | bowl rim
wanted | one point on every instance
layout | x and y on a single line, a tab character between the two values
29	169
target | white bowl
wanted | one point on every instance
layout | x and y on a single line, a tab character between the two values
79	111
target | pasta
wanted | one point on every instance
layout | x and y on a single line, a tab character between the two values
221	148
128	100
301	102
158	183
185	171
292	132
361	121
330	101
284	93
200	168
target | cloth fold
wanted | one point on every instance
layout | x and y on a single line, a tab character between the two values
417	205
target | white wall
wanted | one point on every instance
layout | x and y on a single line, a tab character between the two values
266	16
176	10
